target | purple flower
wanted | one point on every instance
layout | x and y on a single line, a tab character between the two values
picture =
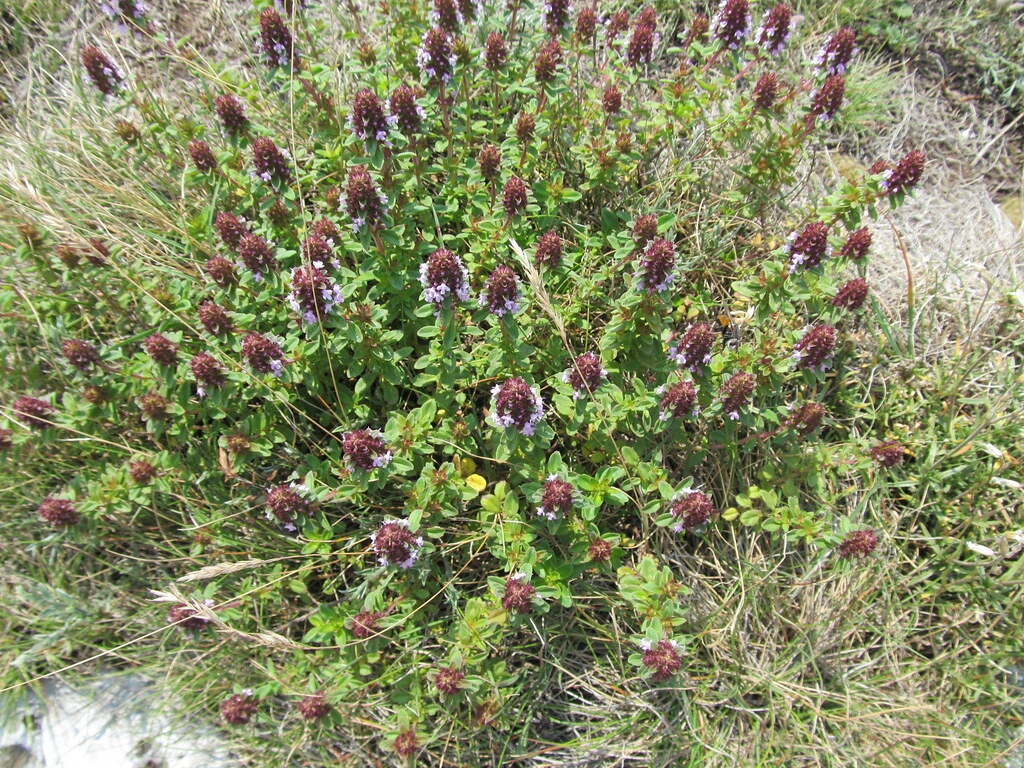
851	295
215	319
616	24
586	25
202	156
368	120
32	412
104	74
60	513
187	618
287	503
656	266
257	255
314	707
448	680
270	162
436	56
501	294
81	354
208	372
519	594
276	42
731	22
406	110
585	375
526	124
262	354
808	248
735	393
556	15
548	252
557	498
395	544
691	509
444	276
495	52
365	450
663	658
678	400
888	454
815	348
858	544
141	472
827	100
775	29
857	244
549	57
363	200
837	52
806	418
611	100
366	624
645	229
448	16
314	295
640	50
489	161
231	114
221	271
905	175
693	350
517	405
230	228
239	709
161	350
766	91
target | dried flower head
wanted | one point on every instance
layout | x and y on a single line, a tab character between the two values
501	292
406	743
365	450
766	91
366	624
314	295
97	253
851	295
806	418
489	161
888	454
585	375
517	405
827	100
815	347
257	255
808	248
231	113
677	401
395	544
262	354
187	618
314	707
691	509
270	162
514	196
448	680
95	394
905	175
526	124
731	22
6	441
557	498
215	319
600	551
775	29
836	54
230	228
548	252
409	115
276	41
33	412
128	132
518	597
549	57
645	229
656	266
857	244
60	513
141	472
364	202
698	30
221	271
161	350
693	350
287	503
735	393
154	406
495	52
368	120
663	658
239	709
436	56
444	276
81	354
858	544
107	78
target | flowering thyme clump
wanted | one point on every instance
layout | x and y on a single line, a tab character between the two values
857	244
104	75
286	503
775	29
586	25
366	624
556	15
314	295
257	255
888	454
518	597
448	680
663	658
436	56
314	707
517	405
239	709
657	265
489	161
585	375
365	450
262	354
408	114
395	544
501	293
905	175
270	162
549	57
766	91
640	50
447	16
806	418
691	508
32	412
231	114
851	295
215	319
186	617
693	350
616	24
735	393
495	52
678	400
526	124
837	52
827	100
731	22
368	120
276	42
808	248
208	372
221	271
202	156
363	201
611	100
406	743
81	354
230	228
858	544
557	498
60	513
548	252
815	347
444	276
